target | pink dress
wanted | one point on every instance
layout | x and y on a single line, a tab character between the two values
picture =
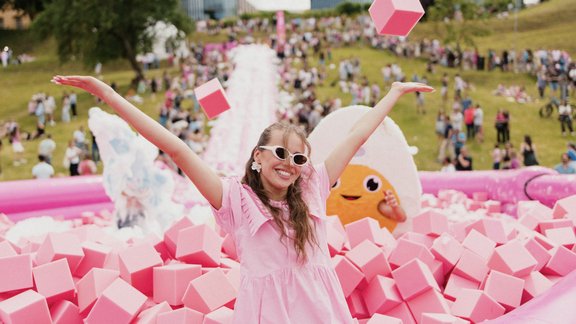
274	287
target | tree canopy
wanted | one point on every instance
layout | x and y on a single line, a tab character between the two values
104	30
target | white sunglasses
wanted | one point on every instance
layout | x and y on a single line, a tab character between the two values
280	153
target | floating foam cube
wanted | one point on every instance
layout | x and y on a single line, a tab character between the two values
335	240
349	276
136	266
91	286
493	206
209	292
543	226
95	255
531	213
395	17
430	222
119	303
150	315
492	228
456	283
534	285
418	238
402	312
369	259
222	315
471	266
60	246
512	258
25	308
65	312
476	306
562	262
381	295
229	264
406	251
437	318
229	247
172	233
458	230
54	281
480	196
383	319
562	236
366	228
414	278
199	245
212	98
438	272
538	252
158	244
182	315
15	273
6	249
356	304
479	244
431	301
171	281
505	289
564	206
447	250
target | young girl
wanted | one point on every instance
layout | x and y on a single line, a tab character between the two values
276	212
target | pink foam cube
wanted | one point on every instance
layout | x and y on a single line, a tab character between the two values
424	239
545	225
402	312
25	308
480	196
490	227
538	252
6	249
534	285
381	295
228	263
350	276
430	222
65	312
414	278
512	258
212	98
172	233
505	289
456	283
471	266
383	319
458	230
54	281
530	215
229	247
564	206
199	245
95	255
366	228
158	244
438	272
209	292
437	318
119	303
562	262
395	17
369	259
15	272
544	241
356	304
493	206
335	240
476	306
430	301
562	236
136	266
171	281
91	286
150	315
406	251
447	250
222	315
183	315
60	246
479	244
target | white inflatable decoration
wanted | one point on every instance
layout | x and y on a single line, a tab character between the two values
386	154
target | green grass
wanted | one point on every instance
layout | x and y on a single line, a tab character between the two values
548	25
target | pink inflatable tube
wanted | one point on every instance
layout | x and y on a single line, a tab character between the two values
509	187
68	212
31	195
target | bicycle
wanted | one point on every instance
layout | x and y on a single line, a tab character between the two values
547	110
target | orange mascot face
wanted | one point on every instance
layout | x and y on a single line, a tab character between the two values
357	194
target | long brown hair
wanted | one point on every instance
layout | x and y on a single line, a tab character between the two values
298	209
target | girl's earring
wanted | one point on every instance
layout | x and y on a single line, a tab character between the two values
256	166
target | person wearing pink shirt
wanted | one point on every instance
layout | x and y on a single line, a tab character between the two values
276	213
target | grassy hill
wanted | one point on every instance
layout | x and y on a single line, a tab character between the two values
548	25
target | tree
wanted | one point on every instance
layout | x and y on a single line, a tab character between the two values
104	30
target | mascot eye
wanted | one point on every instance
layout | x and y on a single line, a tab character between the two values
336	184
372	183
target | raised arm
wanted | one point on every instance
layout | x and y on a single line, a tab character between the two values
206	180
365	126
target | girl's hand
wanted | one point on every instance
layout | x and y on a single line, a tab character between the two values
390	199
87	83
407	87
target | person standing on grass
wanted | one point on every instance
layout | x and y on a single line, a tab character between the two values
565	117
276	212
528	151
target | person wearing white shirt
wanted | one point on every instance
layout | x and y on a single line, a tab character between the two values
565	117
79	137
42	170
46	148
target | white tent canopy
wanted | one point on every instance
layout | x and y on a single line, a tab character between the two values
289	5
